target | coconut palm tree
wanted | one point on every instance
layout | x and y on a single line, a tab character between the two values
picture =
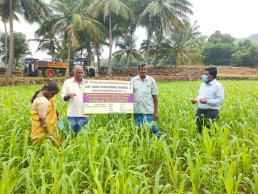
4	14
127	49
6	44
110	9
47	38
32	11
92	47
71	18
135	8
155	47
185	45
162	15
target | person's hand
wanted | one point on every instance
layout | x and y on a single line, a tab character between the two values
203	100
194	101
156	116
72	95
69	96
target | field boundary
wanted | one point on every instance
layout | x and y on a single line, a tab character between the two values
158	78
161	74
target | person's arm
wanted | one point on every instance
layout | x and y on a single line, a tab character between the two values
44	125
68	96
42	108
154	93
155	101
64	93
195	100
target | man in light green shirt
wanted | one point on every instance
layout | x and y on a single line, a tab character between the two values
145	99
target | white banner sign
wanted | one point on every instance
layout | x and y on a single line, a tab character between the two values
107	96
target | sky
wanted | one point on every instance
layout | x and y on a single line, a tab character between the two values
235	17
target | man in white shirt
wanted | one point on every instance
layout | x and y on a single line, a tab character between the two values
209	99
145	99
72	92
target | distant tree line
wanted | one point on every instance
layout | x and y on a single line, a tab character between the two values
218	49
21	48
223	49
80	28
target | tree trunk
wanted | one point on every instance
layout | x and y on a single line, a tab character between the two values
150	32
6	44
98	57
130	59
131	45
188	70
189	74
52	50
11	46
126	59
148	49
16	63
89	52
67	73
156	57
177	63
109	72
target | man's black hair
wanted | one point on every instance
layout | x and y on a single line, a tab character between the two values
142	65
212	71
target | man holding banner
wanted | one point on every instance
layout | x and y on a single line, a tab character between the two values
145	99
72	92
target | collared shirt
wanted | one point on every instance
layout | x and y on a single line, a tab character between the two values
75	104
213	92
143	91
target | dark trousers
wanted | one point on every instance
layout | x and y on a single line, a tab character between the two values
204	117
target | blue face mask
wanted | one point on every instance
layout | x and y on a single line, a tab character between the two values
205	78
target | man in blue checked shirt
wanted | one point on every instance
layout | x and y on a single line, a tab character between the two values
209	99
145	100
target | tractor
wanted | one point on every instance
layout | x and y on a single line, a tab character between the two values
35	67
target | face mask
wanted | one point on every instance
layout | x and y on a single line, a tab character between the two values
205	78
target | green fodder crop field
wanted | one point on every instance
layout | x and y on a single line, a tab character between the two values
112	156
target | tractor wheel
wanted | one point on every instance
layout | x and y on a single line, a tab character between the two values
49	73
